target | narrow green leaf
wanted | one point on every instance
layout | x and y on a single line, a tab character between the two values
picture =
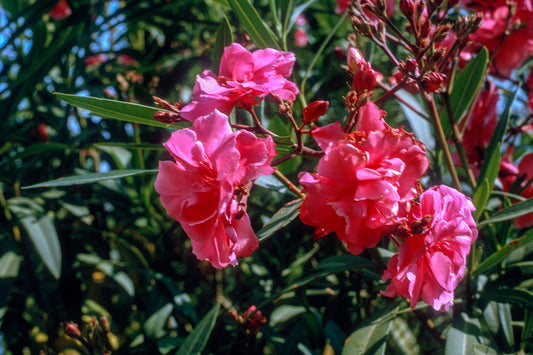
480	349
328	266
92	177
462	336
298	10
131	146
253	24
119	110
335	336
497	257
498	320
496	141
196	341
527	330
518	296
280	219
481	196
511	212
9	264
371	338
44	237
465	89
153	327
285	313
224	38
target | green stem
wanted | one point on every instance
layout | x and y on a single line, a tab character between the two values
442	138
279	175
458	141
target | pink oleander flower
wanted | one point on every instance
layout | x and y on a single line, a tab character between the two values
365	181
60	11
431	259
508	37
301	37
244	79
206	186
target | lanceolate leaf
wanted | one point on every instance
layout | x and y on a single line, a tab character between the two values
328	266
518	296
119	110
196	341
465	88
501	254
487	168
371	338
90	178
253	24
280	219
462	336
43	234
511	212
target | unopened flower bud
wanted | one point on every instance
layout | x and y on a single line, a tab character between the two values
411	66
72	330
407	7
432	81
354	59
167	117
314	111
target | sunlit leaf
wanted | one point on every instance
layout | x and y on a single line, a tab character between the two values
253	24
371	337
280	219
462	336
497	257
196	341
465	88
480	349
119	110
44	237
511	212
154	325
498	320
91	178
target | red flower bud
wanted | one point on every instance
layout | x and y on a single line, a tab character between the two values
72	330
314	111
432	81
407	7
60	11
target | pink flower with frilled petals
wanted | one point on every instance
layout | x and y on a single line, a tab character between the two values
206	186
509	37
244	79
364	183
431	260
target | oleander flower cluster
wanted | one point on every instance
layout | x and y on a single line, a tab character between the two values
365	187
